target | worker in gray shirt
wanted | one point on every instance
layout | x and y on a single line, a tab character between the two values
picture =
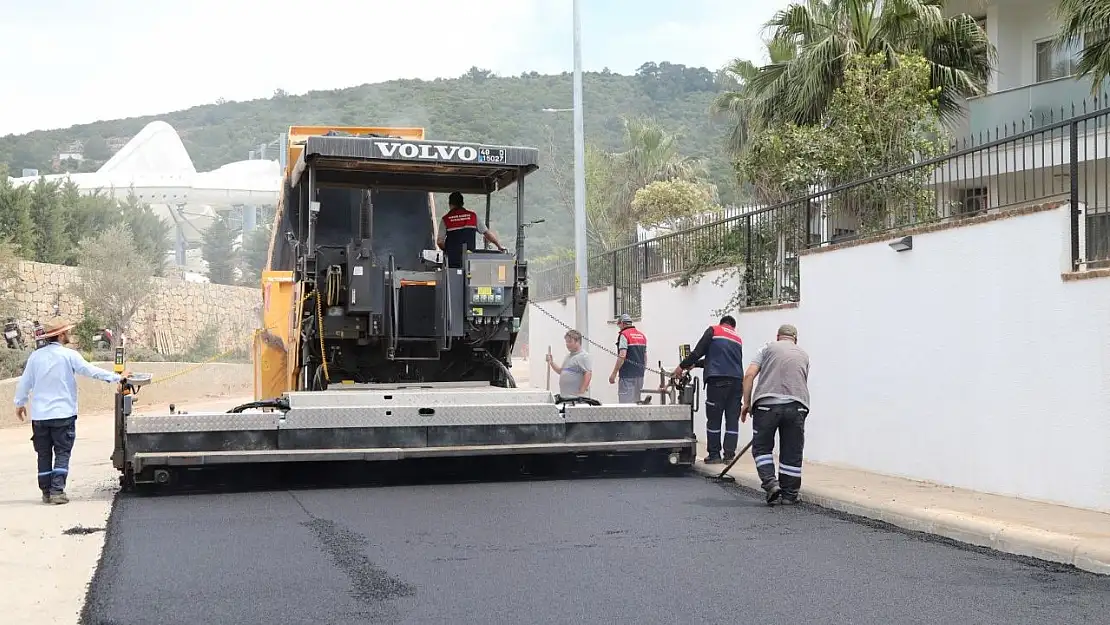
781	403
576	371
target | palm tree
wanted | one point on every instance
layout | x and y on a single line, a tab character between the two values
651	153
734	103
827	32
1086	21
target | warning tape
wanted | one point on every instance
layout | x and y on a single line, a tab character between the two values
266	336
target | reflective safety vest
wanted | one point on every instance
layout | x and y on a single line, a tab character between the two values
461	228
725	357
636	353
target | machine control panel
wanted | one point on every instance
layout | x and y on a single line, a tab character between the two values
489	290
487	295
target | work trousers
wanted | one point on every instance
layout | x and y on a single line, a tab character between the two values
723	396
629	389
53	440
789	420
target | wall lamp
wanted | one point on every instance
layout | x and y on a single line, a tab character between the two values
903	244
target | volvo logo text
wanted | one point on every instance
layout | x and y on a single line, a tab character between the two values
390	149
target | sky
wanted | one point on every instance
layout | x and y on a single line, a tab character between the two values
77	61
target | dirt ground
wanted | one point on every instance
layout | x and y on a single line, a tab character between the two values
48	553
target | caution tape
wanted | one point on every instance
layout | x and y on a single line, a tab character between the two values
597	345
266	336
194	367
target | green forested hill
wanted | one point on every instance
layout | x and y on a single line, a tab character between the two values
477	107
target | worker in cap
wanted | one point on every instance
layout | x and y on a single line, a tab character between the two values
458	229
779	373
631	361
723	350
49	381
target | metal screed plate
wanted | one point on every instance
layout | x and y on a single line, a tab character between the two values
201	422
626	412
527	414
419	398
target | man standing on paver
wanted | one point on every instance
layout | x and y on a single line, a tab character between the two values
48	377
631	361
781	404
723	351
576	372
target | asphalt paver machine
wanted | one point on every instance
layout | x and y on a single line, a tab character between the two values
375	348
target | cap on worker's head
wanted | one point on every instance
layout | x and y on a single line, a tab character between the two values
455	199
56	326
626	318
787	329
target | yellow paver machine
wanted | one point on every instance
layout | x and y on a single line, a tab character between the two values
373	346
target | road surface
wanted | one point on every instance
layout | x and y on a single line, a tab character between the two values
587	550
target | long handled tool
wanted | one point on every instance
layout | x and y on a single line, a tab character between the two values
548	367
724	476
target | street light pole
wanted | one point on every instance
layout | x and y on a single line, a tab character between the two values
581	277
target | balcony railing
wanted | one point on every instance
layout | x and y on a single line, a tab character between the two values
1011	111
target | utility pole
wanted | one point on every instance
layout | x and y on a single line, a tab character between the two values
581	276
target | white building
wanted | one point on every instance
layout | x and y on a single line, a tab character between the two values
155	165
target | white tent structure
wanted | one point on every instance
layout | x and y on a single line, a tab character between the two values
157	168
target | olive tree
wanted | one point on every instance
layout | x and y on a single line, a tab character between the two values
115	278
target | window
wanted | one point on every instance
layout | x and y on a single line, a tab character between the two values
1058	61
972	201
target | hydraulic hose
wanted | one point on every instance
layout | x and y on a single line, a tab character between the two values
505	370
279	403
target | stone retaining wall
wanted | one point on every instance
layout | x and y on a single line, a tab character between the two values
177	312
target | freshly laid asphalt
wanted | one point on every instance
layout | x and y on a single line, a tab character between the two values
576	550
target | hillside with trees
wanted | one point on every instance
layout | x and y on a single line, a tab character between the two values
478	106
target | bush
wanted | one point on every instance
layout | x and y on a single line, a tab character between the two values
12	361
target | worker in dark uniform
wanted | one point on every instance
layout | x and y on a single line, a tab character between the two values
458	229
631	361
723	351
781	403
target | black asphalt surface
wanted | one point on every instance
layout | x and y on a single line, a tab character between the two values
638	550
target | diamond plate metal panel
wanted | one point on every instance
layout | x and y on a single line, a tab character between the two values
524	414
422	398
626	412
201	422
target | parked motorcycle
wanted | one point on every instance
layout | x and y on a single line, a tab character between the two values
39	331
12	336
103	339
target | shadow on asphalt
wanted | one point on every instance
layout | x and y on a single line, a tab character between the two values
409	472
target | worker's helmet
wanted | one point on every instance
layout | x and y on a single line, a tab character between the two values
455	199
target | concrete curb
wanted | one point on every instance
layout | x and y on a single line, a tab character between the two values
1090	555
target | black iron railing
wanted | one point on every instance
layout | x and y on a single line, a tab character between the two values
1064	161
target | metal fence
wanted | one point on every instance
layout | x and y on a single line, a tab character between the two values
1062	161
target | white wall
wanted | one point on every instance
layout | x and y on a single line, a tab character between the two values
966	361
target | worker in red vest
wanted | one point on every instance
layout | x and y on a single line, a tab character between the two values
459	229
723	376
631	361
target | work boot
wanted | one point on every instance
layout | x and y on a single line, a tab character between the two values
60	498
788	499
714	459
728	456
773	492
46	496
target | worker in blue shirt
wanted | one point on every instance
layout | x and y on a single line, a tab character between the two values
49	379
